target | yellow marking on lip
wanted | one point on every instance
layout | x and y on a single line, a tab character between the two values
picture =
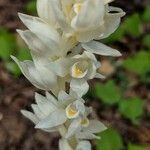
77	7
84	122
71	112
77	71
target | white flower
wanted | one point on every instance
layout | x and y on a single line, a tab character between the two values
53	39
50	113
46	44
82	145
85	129
77	69
41	78
85	19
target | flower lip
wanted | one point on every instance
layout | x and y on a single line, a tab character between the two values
77	7
84	122
79	69
71	111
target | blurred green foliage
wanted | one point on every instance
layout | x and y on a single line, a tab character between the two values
146	41
146	14
109	93
139	63
136	147
9	46
110	140
132	25
31	7
132	108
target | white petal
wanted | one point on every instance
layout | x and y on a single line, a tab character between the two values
35	44
59	15
100	76
107	1
51	129
30	116
100	49
90	16
118	11
64	145
86	135
45	11
44	105
51	98
63	96
95	126
42	30
86	36
80	106
42	79
74	126
61	66
112	21
84	145
37	111
80	86
56	118
30	72
92	71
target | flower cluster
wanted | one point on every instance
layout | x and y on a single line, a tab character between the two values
63	42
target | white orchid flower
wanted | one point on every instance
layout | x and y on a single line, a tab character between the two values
84	19
46	44
49	113
85	129
77	69
41	78
53	39
82	145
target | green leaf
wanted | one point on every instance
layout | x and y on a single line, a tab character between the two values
7	44
23	54
132	25
31	7
146	14
109	93
13	68
131	108
138	63
146	41
136	147
110	140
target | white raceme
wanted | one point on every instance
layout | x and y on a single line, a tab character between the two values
63	42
